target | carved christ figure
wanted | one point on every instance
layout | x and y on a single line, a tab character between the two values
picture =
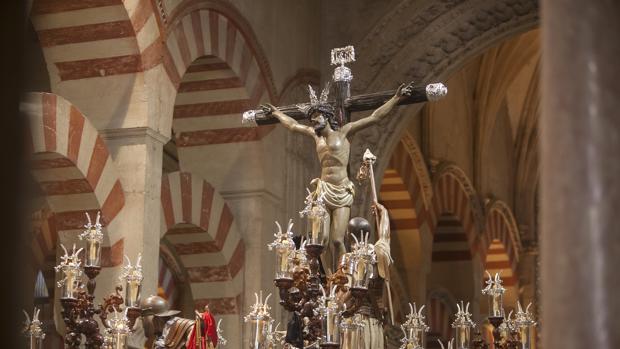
333	150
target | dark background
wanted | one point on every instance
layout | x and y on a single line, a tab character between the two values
13	175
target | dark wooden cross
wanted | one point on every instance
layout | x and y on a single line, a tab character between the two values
344	104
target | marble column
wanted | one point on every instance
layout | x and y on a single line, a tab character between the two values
137	153
580	145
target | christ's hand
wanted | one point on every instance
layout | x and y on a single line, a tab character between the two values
268	108
405	90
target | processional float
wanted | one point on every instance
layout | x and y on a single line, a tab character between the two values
347	308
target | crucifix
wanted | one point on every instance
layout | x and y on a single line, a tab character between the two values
331	127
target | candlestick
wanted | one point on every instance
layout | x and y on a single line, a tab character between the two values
299	259
317	213
132	276
415	328
409	340
462	325
495	291
524	323
33	329
94	238
70	267
259	320
118	331
330	319
361	262
284	247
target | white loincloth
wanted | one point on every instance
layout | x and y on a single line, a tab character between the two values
335	195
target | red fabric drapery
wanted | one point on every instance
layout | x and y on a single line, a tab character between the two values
208	331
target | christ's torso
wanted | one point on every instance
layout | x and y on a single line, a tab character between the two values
333	151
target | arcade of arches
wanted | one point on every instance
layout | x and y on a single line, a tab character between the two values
134	110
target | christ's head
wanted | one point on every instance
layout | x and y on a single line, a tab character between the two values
320	116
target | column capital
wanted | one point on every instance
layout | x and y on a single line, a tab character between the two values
133	135
234	195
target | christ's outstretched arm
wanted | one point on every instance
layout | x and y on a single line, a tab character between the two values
288	121
379	113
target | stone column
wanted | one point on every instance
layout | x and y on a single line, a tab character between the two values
137	153
254	212
580	145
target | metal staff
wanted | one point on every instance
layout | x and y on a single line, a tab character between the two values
382	247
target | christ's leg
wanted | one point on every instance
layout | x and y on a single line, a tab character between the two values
339	221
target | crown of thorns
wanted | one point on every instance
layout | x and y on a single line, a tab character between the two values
317	103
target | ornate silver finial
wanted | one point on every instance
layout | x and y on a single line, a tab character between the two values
328	306
274	336
284	247
365	168
119	323
260	309
70	266
283	240
132	273
93	231
132	277
436	91
493	287
450	344
415	319
495	291
249	116
34	328
117	330
315	206
369	156
414	328
342	56
409	340
362	249
524	318
463	316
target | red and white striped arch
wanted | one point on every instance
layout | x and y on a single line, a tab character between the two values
453	194
397	199
404	221
73	168
497	261
115	46
405	191
407	161
501	243
200	227
98	52
450	243
86	39
219	77
98	38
